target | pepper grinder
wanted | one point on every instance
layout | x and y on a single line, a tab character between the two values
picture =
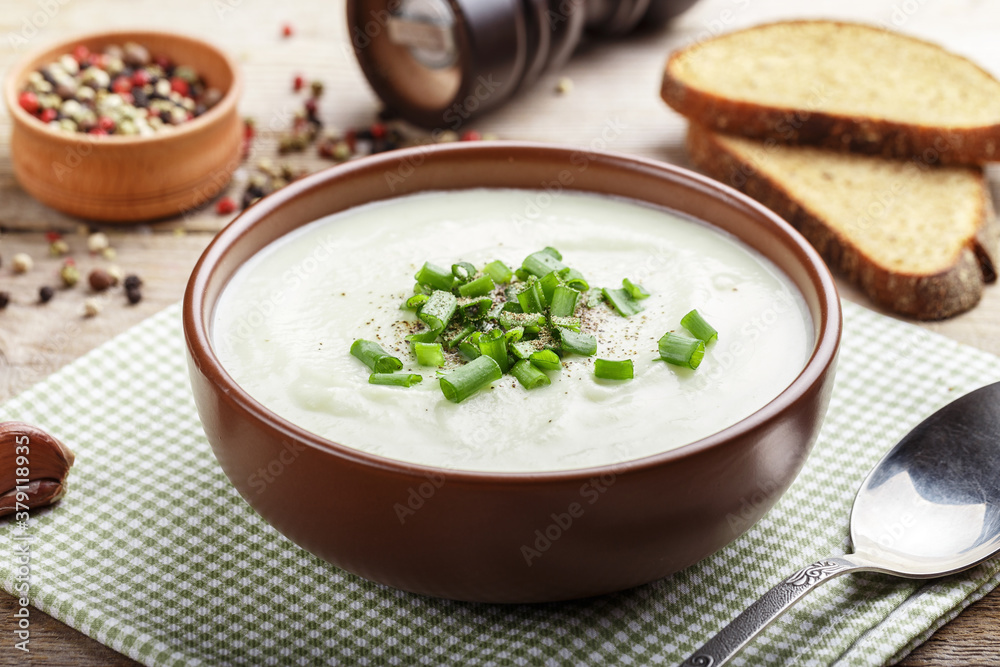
437	63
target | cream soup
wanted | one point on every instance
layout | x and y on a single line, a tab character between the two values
284	326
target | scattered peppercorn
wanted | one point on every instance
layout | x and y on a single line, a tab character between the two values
69	273
287	30
97	242
100	280
133	295
4	299
564	86
45	294
22	263
298	82
58	248
117	275
132	281
225	206
91	308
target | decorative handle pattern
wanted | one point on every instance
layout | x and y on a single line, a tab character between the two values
723	646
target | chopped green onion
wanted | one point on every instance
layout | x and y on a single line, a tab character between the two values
514	335
495	310
697	325
622	302
421	289
429	354
532	322
415	301
681	350
542	262
438	310
395	379
563	301
476	309
374	357
458	336
521	274
636	291
428	336
528	375
578	343
566	322
613	370
499	272
469	351
463	271
549	250
466	380
494	344
524	349
512	307
595	297
574	279
531	298
435	276
547	360
549	282
481	286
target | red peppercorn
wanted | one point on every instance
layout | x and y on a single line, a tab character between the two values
127	98
311	107
225	206
81	53
106	124
52	237
141	78
28	101
163	62
471	135
98	131
351	139
121	84
48	115
249	129
287	30
298	83
179	85
378	131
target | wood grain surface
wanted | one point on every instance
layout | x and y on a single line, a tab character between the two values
615	86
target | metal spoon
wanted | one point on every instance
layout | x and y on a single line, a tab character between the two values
930	507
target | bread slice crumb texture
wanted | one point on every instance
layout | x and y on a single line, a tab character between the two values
909	218
845	69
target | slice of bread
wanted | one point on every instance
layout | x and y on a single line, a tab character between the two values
920	241
843	86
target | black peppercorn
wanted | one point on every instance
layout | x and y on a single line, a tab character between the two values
133	295
132	282
45	294
4	300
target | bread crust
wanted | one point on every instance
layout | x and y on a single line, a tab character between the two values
872	136
920	296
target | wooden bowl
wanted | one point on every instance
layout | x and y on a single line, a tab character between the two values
128	178
656	515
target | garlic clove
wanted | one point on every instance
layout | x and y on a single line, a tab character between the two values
29	453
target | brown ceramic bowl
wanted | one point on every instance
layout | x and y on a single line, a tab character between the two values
126	178
655	516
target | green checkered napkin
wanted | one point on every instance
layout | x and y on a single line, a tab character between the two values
154	554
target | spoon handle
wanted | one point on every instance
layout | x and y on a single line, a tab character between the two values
723	646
